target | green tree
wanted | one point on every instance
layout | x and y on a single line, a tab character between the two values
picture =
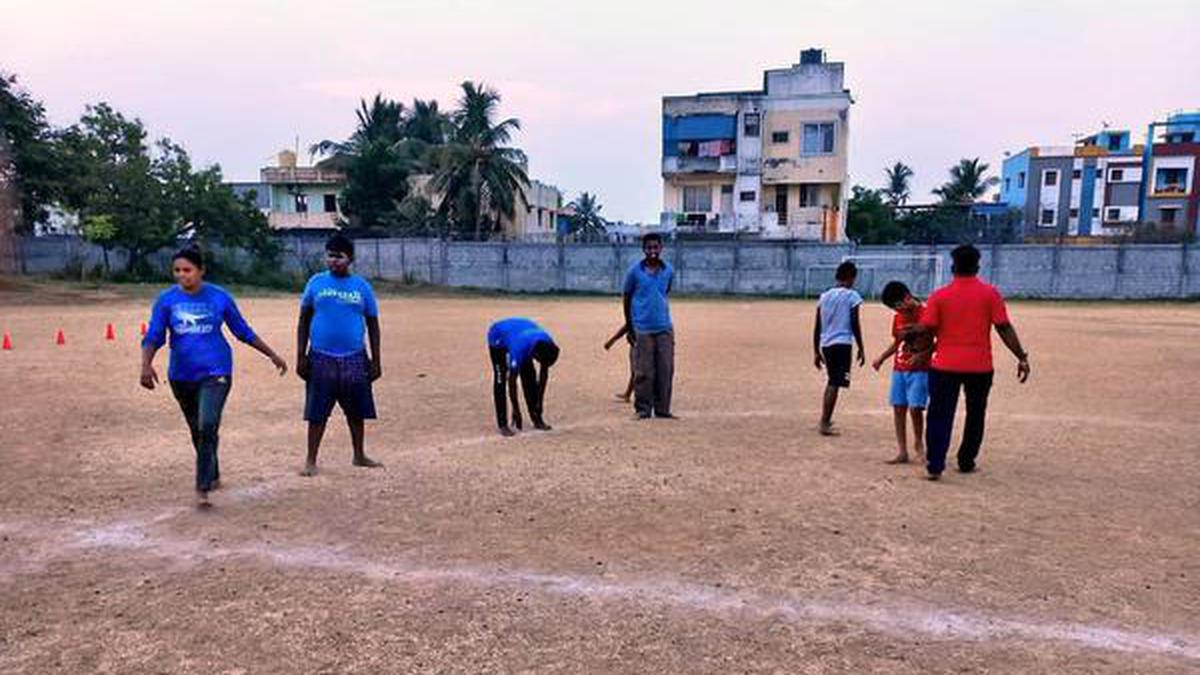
869	219
586	222
479	177
139	198
36	170
968	183
898	190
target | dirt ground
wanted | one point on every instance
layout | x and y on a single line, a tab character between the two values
734	539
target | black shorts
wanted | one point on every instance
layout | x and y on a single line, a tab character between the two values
837	364
344	380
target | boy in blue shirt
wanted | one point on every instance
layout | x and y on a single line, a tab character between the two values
835	331
335	366
649	329
513	345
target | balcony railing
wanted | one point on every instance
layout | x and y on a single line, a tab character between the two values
724	164
1170	190
302	221
302	174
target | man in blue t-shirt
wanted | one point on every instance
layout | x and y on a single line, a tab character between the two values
330	355
513	345
648	319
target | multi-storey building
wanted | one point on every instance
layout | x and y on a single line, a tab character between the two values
1089	189
769	162
297	197
1171	185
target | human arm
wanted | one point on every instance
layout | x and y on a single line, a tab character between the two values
1008	334
856	326
156	337
303	327
265	349
887	354
627	304
816	342
242	331
373	339
514	399
621	332
539	421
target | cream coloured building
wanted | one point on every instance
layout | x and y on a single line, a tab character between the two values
768	162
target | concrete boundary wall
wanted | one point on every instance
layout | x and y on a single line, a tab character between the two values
752	268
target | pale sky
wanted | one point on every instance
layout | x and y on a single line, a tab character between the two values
933	81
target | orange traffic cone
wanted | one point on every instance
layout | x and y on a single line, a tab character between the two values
60	339
7	341
110	333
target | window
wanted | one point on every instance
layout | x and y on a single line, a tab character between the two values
779	137
1049	178
1021	180
809	195
1076	174
1113	215
1170	180
301	203
1114	143
1095	213
330	203
1007	184
818	139
747	196
1099	174
1074	213
1047	216
1167	216
751	125
726	189
1116	175
697	198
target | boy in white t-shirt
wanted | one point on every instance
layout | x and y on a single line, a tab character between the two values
835	331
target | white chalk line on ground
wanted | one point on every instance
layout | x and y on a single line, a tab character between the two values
888	617
894	618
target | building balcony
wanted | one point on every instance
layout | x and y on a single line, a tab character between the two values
683	165
279	220
809	223
1170	190
302	174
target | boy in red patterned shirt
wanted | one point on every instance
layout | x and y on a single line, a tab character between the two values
910	371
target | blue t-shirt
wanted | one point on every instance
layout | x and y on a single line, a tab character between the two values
339	306
837	306
517	336
649	309
198	347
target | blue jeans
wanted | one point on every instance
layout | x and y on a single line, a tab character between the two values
202	403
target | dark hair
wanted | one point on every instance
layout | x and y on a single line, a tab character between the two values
340	243
546	352
190	254
966	261
846	271
651	236
894	292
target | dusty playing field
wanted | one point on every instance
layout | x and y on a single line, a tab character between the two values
732	540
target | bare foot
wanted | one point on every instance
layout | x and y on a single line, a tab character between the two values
505	431
309	470
622	397
898	459
202	499
367	462
828	430
216	484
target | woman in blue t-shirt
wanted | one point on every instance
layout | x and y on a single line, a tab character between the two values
201	361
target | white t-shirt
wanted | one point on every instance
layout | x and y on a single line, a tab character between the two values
835	305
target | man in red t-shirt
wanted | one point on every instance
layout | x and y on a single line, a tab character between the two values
961	316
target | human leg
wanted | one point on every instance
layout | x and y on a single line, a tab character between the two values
943	400
664	372
976	387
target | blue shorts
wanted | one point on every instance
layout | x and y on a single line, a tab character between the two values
910	388
344	380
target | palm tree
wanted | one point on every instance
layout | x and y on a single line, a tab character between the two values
587	220
897	190
478	173
968	182
381	122
427	124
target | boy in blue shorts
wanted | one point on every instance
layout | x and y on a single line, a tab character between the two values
330	355
910	370
514	344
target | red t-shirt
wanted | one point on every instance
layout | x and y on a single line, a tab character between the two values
962	314
913	353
